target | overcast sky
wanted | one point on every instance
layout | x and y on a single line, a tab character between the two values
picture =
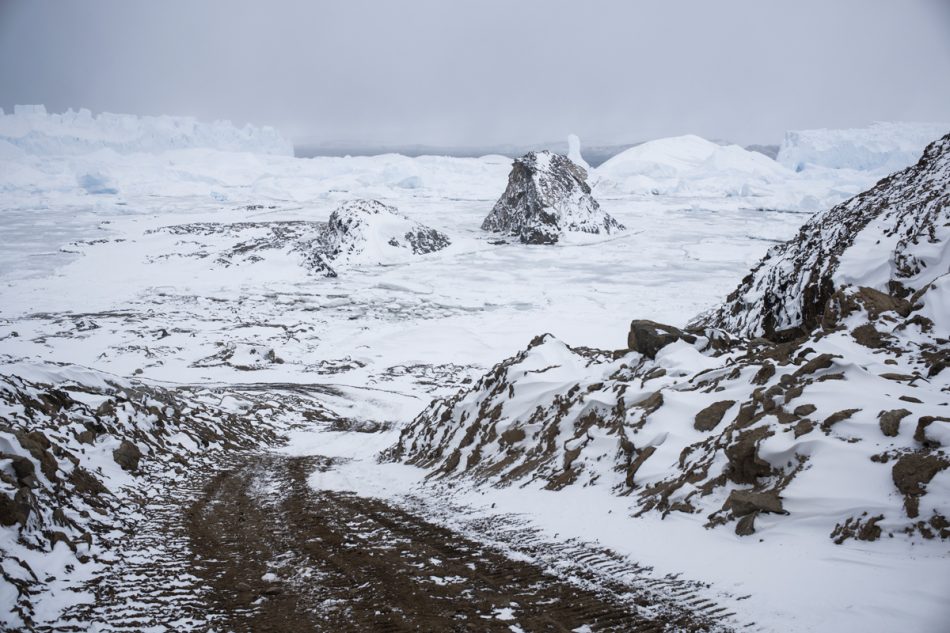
486	72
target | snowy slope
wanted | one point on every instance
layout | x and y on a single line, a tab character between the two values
33	130
882	147
370	233
82	451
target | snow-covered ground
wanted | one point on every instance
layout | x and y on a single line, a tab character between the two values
186	267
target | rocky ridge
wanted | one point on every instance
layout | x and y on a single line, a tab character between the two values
892	238
547	195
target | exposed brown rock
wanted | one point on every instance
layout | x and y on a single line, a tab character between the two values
920	433
743	502
911	473
649	337
891	421
838	416
708	418
745	465
127	455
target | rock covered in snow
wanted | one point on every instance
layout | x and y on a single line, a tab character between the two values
547	195
893	238
878	147
35	131
368	233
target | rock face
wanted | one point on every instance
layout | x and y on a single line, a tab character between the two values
547	195
815	348
368	232
891	239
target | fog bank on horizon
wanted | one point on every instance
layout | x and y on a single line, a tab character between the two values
490	73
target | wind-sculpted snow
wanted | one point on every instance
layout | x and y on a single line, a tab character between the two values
842	426
547	196
368	232
33	130
879	147
893	238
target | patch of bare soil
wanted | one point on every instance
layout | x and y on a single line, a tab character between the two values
275	555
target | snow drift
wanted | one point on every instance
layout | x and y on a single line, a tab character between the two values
33	130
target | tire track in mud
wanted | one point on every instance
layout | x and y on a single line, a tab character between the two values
277	555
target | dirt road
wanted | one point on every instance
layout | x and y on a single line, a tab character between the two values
279	556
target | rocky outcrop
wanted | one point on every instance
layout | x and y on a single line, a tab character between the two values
547	195
890	240
369	233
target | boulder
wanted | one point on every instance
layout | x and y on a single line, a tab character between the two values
127	455
743	502
649	337
711	416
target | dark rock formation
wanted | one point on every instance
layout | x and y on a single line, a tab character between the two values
547	195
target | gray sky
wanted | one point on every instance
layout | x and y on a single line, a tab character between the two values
463	72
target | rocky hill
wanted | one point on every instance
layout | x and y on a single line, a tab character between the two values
547	195
368	232
891	238
818	394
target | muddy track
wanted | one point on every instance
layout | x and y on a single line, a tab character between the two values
276	555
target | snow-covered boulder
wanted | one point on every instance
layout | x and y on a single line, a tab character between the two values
689	165
879	147
369	233
37	132
893	238
547	195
